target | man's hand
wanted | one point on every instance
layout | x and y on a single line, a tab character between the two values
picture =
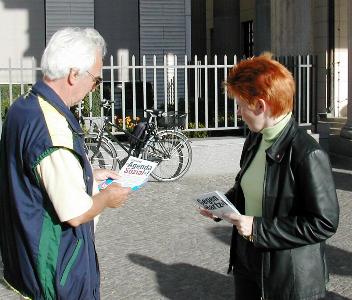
112	196
103	174
116	195
243	223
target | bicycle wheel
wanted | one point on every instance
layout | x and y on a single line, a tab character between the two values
173	153
105	156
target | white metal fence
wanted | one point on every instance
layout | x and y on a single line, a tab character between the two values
194	87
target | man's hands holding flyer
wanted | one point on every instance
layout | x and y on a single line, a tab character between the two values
116	195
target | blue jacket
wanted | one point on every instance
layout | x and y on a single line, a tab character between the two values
43	258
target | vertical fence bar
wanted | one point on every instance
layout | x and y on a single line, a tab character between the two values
196	91
206	93
235	103
186	90
225	89
90	104
123	104
80	110
134	107
101	86
314	89
10	81
176	94
299	89
308	89
165	83
21	76
216	90
112	91
144	80
33	71
154	83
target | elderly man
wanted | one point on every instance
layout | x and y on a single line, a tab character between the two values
48	194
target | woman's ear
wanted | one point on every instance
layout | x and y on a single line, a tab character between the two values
73	76
260	107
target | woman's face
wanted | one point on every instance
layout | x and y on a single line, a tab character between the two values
252	115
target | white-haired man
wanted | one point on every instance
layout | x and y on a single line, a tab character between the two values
48	194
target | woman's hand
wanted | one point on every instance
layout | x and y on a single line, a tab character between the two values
205	213
243	223
103	174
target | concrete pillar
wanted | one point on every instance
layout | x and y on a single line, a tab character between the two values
291	27
346	131
262	26
226	32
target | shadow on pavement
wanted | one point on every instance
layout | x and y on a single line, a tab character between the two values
222	233
334	296
339	261
185	281
343	181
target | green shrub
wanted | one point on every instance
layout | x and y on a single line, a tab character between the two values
5	95
196	134
95	104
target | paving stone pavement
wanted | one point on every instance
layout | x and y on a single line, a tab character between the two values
158	247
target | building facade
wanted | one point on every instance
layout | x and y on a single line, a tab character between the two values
195	27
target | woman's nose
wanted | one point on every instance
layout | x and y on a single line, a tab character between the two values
239	110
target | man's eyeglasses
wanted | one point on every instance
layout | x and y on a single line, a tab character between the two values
96	79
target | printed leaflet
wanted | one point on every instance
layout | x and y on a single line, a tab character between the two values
217	203
134	173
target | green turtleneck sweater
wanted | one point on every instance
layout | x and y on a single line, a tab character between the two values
252	182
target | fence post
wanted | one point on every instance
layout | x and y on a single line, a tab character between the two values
216	89
206	93
196	91
225	90
186	91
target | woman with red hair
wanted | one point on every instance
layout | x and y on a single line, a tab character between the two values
285	192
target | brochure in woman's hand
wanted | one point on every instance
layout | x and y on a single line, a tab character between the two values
133	174
217	203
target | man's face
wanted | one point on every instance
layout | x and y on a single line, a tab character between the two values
88	81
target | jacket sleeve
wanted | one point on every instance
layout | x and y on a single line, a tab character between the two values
316	215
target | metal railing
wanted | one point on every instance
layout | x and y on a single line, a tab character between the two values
194	87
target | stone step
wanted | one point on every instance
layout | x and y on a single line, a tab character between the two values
335	130
339	145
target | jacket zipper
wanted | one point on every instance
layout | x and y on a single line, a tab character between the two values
263	200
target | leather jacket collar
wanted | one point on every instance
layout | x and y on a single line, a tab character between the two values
277	150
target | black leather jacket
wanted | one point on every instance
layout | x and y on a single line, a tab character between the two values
300	211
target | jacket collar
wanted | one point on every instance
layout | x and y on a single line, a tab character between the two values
43	90
277	150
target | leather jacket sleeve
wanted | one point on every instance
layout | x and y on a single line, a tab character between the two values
314	214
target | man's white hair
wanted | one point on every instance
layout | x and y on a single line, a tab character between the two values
71	48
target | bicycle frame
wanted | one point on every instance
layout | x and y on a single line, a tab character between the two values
151	130
164	147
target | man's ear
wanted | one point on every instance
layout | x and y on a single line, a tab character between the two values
73	76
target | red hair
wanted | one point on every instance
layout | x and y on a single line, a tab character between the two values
262	78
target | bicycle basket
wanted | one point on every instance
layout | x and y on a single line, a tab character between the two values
172	119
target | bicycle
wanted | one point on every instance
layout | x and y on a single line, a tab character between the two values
169	147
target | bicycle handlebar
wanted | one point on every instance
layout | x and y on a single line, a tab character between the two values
106	103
